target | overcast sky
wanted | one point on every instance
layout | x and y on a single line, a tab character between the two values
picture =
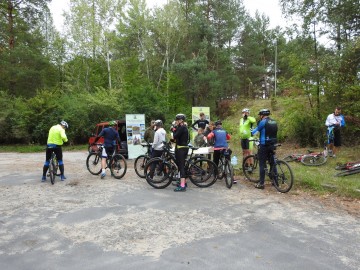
269	7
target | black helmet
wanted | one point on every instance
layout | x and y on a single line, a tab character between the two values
218	123
158	123
64	124
264	112
180	116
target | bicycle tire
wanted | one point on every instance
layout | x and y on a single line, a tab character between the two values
290	158
284	178
313	160
221	169
139	165
348	172
202	172
93	163
52	171
118	166
229	175
162	175
251	173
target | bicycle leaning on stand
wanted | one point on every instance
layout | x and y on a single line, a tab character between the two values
140	161
116	162
161	171
280	173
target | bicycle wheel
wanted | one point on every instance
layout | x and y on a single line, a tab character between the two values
290	158
93	163
283	176
118	166
251	173
229	174
52	171
348	172
202	172
139	165
221	169
162	173
313	160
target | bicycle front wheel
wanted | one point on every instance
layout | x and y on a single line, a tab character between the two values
93	163
251	171
158	173
139	165
229	174
283	176
202	172
312	160
118	166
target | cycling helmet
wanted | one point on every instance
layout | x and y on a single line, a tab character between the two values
158	123
64	124
218	123
246	110
112	123
180	116
264	112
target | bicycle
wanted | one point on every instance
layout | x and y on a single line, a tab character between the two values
140	161
116	163
161	171
225	168
53	168
280	173
348	168
310	159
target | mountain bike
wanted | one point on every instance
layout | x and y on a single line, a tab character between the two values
116	162
225	168
161	171
53	168
140	161
348	168
310	159
279	173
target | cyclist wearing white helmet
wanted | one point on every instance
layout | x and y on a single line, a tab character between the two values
246	124
56	139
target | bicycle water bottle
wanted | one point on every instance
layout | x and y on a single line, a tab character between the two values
234	161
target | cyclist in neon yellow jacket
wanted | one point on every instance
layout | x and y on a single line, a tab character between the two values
247	122
56	139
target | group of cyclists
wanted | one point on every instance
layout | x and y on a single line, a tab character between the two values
212	133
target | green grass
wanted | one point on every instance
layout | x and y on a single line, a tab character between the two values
37	148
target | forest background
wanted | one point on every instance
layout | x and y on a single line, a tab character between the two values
117	56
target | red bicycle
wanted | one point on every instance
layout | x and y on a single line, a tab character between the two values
310	159
348	168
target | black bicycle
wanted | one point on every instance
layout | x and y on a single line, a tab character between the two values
279	173
225	168
161	171
116	163
53	168
140	161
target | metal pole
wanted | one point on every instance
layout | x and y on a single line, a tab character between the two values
275	66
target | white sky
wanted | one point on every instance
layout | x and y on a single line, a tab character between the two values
270	8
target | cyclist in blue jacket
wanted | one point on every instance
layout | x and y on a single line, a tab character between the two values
268	138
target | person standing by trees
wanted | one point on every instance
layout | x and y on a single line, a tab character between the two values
268	138
246	124
181	136
150	132
56	138
334	122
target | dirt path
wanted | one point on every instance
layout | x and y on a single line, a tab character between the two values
88	223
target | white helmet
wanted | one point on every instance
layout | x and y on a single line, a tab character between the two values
246	110
64	124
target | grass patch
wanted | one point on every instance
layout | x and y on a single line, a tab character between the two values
32	148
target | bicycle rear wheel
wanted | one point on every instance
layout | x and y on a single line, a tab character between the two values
251	173
52	171
118	166
139	165
93	163
283	176
313	160
229	174
221	169
348	172
202	172
158	174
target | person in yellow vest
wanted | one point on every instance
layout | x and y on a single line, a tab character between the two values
56	138
247	123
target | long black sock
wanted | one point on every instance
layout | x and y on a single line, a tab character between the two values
61	167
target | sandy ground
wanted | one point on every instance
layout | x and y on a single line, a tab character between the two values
88	223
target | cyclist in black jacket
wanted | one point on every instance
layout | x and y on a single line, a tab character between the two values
181	136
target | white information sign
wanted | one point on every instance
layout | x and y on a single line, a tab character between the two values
135	130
